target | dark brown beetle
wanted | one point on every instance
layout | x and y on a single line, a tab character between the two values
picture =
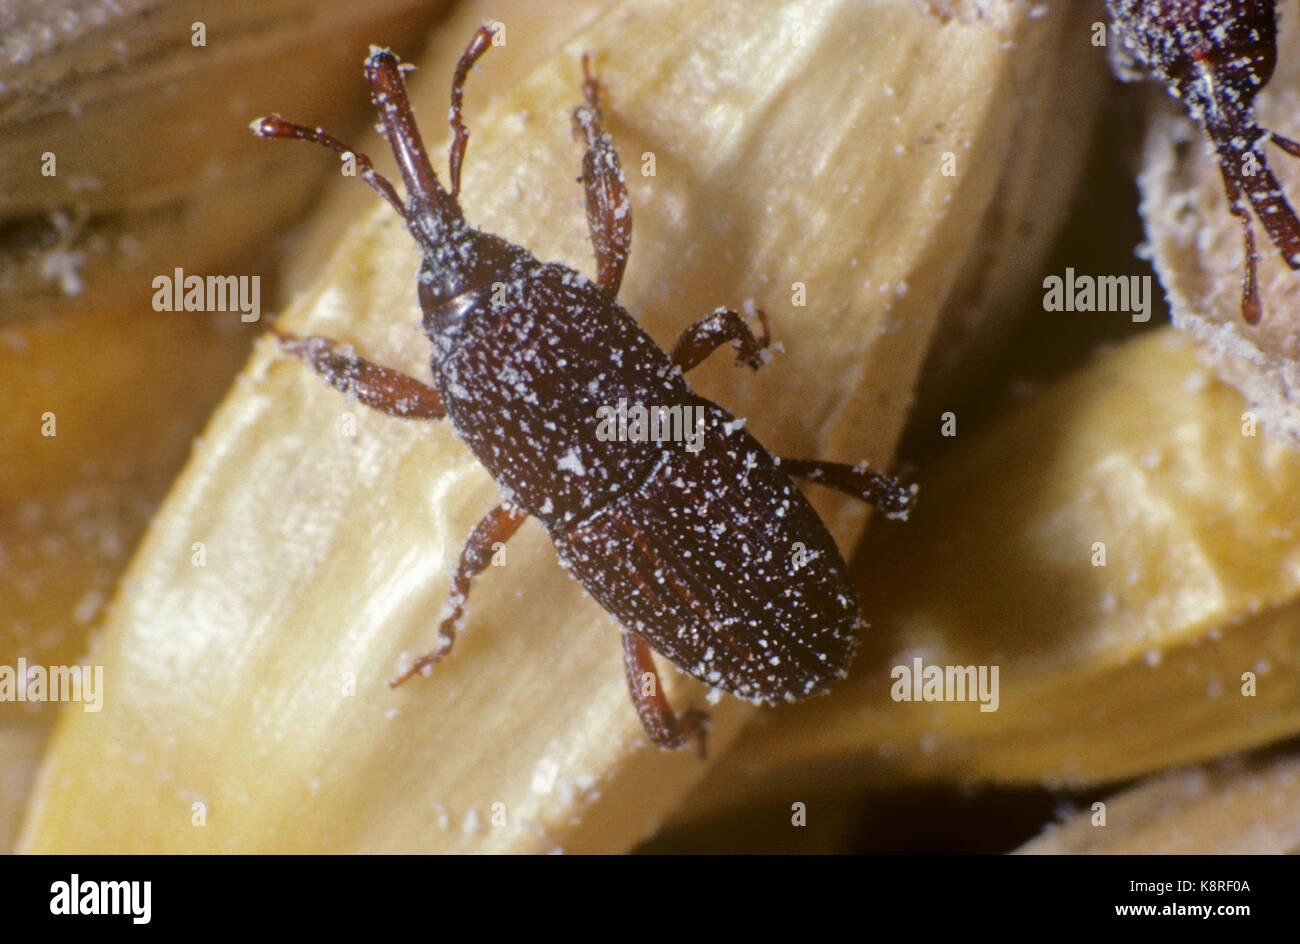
1216	55
711	556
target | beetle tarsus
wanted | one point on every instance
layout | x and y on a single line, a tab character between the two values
882	492
1240	209
665	728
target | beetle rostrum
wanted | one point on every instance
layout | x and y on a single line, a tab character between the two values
709	555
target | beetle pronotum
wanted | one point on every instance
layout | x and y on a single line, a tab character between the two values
710	556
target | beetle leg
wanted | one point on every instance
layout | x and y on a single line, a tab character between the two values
1240	208
277	127
705	336
380	388
497	527
880	491
609	212
664	727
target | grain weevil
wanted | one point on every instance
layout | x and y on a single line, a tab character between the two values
1216	56
710	556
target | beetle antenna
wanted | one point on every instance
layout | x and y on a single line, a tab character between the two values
478	45
276	127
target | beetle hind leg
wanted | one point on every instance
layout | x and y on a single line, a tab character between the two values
663	726
497	527
609	212
878	490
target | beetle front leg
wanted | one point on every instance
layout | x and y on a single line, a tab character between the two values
708	334
880	491
609	212
381	388
497	527
662	725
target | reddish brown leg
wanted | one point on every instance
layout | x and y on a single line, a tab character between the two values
498	526
1240	208
478	44
609	213
380	388
705	336
665	728
880	491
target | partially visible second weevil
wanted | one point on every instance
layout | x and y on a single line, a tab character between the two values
703	548
1216	55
